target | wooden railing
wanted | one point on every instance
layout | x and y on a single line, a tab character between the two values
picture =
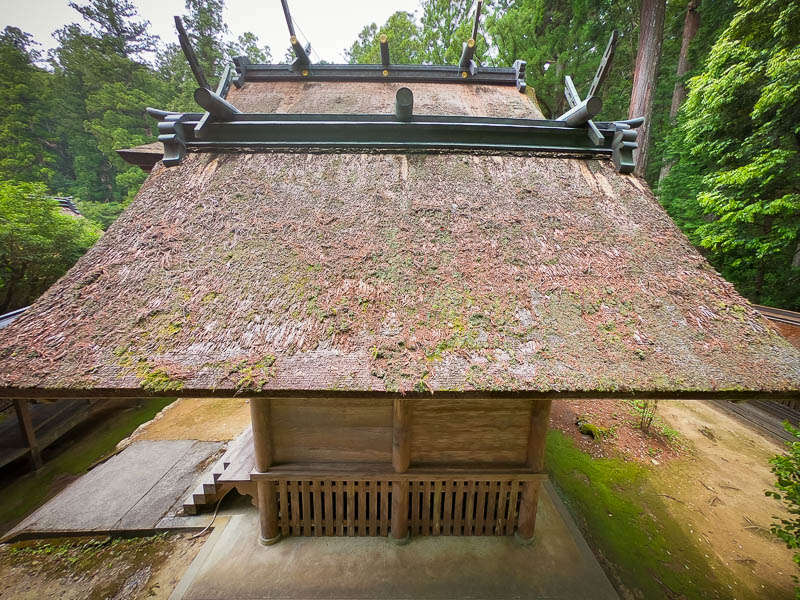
325	507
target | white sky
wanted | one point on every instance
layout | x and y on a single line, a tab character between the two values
331	26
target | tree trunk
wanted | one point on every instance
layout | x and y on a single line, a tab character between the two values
648	55
690	26
796	257
759	283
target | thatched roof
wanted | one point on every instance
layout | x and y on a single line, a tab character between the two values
336	273
377	98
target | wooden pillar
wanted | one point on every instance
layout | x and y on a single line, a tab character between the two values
262	447
526	524
537	437
27	431
401	435
401	459
268	512
262	434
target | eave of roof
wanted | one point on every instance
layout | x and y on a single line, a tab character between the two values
145	156
318	274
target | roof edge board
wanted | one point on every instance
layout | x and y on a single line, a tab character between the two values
733	395
514	75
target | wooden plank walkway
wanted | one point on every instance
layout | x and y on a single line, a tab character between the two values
764	416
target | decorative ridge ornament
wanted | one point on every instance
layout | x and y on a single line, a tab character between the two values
224	128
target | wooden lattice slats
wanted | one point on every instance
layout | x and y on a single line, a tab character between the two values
491	505
502	502
283	508
436	524
480	505
459	508
511	520
363	508
385	514
448	508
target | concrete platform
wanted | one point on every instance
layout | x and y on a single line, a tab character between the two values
133	490
559	564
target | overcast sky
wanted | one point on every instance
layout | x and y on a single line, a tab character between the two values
330	26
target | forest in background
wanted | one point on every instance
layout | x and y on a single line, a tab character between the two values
718	80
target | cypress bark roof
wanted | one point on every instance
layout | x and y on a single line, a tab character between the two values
315	273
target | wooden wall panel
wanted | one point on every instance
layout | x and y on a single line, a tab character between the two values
469	431
331	430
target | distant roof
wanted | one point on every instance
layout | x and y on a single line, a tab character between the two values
785	321
10	317
67	205
324	273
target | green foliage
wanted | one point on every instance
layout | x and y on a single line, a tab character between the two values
446	26
25	141
37	242
438	39
403	34
647	410
736	145
102	213
247	45
101	95
114	20
567	37
786	468
206	28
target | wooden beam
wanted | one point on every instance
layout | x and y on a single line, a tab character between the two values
27	431
360	472
191	57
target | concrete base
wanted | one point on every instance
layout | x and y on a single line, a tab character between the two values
269	541
234	566
399	541
523	541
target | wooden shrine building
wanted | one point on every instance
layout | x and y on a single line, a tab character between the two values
401	267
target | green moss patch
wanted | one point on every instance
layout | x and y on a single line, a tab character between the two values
646	552
114	566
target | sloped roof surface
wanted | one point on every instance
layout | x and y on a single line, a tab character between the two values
378	98
309	273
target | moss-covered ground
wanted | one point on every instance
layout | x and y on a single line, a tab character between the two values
96	568
71	457
621	510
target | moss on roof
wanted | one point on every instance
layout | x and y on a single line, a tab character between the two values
314	273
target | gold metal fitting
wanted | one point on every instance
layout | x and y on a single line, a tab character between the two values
383	38
386	72
292	40
305	72
463	74
471	43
